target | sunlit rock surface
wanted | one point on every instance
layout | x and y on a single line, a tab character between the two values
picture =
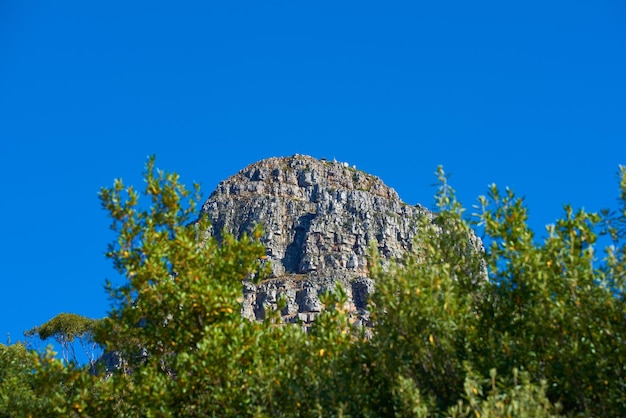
319	218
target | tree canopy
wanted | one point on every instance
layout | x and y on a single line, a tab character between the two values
510	325
65	329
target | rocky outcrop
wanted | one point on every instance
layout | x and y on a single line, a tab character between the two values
319	218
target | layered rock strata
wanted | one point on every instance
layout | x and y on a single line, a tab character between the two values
319	218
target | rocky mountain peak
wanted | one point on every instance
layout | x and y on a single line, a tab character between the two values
319	219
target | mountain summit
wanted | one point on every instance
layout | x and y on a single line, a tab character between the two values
319	217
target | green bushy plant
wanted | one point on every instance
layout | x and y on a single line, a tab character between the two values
510	325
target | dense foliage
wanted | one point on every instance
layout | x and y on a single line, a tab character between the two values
525	326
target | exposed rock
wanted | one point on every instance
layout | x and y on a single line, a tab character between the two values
319	218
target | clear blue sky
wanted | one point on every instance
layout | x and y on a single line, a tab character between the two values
529	94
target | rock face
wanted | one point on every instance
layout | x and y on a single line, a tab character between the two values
319	218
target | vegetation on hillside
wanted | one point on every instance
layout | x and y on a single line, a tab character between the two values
531	326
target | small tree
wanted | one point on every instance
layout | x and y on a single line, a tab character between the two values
65	329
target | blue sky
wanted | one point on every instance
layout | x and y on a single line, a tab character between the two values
528	94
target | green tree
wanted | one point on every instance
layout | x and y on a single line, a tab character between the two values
552	307
16	380
425	307
65	329
549	308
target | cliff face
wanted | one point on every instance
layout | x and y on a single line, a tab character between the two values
319	219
